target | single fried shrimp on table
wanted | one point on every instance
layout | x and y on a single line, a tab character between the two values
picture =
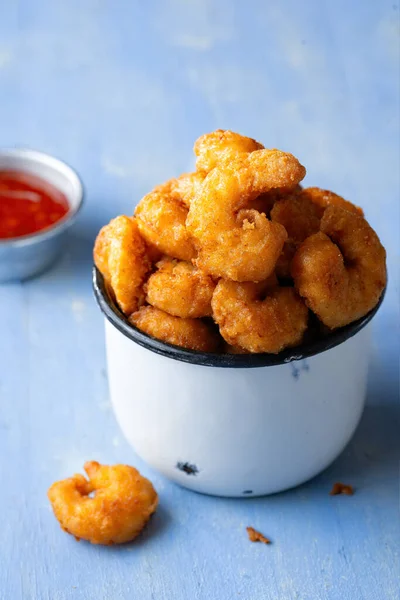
121	256
259	317
180	289
236	242
110	507
193	334
341	270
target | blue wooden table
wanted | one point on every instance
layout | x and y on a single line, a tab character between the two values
120	90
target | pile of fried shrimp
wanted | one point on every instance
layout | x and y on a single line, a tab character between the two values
236	256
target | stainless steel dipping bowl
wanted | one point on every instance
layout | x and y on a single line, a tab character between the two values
29	255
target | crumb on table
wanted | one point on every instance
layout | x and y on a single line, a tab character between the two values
256	536
341	488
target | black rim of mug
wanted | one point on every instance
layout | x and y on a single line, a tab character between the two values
208	359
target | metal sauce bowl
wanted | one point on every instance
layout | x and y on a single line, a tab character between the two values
29	255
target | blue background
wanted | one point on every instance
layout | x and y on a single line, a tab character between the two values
120	90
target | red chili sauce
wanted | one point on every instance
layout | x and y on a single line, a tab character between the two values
28	204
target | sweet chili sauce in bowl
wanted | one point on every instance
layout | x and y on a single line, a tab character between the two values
28	204
40	196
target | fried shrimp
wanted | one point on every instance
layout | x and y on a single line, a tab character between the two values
185	187
259	318
235	242
237	252
120	254
301	213
161	219
180	289
325	198
340	271
301	218
212	149
121	504
101	251
193	334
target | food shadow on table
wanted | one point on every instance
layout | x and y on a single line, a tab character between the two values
156	528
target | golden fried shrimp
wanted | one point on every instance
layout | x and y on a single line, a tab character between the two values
122	503
220	146
301	218
235	243
283	264
187	333
185	187
325	198
101	251
265	202
180	289
161	219
259	319
340	271
120	254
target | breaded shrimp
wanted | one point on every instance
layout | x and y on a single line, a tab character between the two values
340	271
101	251
258	318
212	149
187	333
235	243
180	289
161	220
301	218
325	198
121	256
187	186
265	202
122	503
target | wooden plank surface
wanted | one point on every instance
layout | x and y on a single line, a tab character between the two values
120	90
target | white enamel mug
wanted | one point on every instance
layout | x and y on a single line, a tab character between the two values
235	425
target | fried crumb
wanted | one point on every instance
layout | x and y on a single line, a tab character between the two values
247	225
341	488
256	536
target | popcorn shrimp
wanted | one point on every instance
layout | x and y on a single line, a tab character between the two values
187	186
235	243
301	218
212	149
180	289
161	219
121	504
340	271
120	254
193	334
259	318
325	198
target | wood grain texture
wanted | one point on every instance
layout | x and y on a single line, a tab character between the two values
120	90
